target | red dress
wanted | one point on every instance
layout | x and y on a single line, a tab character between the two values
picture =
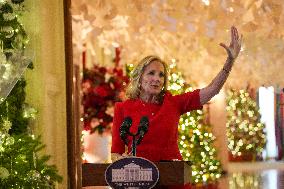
161	140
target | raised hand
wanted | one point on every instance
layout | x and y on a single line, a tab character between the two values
234	48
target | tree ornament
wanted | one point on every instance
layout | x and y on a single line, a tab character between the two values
2	149
33	175
19	42
2	2
29	112
22	157
2	137
4	173
7	69
6	125
9	141
8	31
2	58
9	16
47	177
6	7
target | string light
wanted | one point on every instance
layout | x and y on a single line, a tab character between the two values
245	132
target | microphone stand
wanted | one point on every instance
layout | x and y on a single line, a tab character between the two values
134	142
125	130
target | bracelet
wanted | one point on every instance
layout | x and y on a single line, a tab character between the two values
227	71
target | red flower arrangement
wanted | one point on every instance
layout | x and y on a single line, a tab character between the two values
101	88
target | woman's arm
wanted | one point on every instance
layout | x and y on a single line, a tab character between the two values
217	83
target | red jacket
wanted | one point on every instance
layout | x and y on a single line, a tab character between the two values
161	140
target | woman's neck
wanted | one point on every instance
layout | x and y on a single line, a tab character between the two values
149	98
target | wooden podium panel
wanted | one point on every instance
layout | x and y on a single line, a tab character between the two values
171	173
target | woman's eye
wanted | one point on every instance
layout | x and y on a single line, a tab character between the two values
161	74
151	73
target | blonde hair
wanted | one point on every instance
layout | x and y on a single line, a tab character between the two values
133	89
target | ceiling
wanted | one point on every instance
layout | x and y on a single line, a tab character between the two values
188	32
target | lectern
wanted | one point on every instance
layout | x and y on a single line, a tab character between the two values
171	173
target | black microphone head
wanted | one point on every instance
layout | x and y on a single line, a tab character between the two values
124	128
127	122
144	124
143	128
144	121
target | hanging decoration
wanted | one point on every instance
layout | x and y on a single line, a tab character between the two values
190	31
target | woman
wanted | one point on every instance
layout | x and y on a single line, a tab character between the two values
147	96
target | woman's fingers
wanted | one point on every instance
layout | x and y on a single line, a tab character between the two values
223	45
236	33
232	35
226	48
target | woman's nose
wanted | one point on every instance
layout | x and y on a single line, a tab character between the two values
157	78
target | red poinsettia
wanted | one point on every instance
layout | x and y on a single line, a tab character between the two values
101	88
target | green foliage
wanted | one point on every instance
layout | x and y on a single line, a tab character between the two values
25	168
15	108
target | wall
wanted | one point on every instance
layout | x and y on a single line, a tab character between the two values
46	89
218	120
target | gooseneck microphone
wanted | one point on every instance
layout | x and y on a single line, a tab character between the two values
143	128
124	132
124	129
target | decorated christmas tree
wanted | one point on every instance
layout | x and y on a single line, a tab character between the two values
245	132
20	164
13	39
195	138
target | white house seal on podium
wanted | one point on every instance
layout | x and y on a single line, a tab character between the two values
132	173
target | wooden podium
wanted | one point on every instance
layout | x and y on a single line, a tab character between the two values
171	173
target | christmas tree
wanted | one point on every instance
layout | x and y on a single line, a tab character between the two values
13	40
20	164
244	130
195	138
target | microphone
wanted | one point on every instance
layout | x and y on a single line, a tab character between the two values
124	128
143	128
